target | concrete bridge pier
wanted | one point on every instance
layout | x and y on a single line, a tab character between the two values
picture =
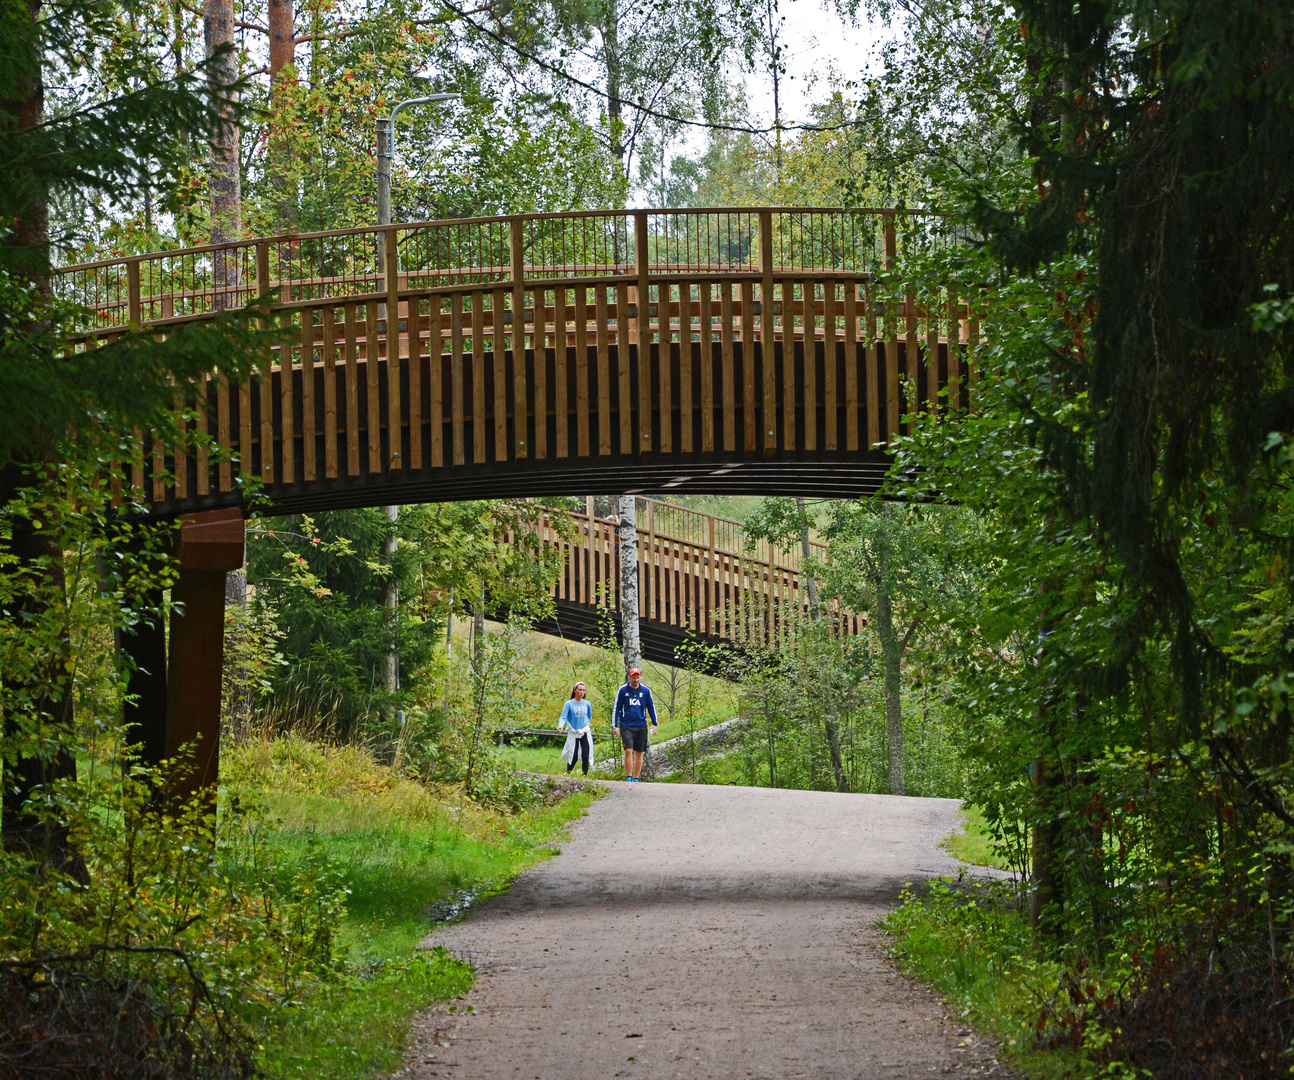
176	690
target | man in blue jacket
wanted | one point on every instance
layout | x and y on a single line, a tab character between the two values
629	721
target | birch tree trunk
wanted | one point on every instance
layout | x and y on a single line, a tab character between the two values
629	584
829	721
892	655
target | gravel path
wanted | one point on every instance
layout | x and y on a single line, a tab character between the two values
695	932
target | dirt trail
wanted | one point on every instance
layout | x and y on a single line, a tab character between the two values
695	932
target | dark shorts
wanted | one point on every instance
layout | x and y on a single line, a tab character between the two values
634	738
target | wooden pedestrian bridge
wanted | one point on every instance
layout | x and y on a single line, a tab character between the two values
721	350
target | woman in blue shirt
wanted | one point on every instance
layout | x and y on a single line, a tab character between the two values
577	717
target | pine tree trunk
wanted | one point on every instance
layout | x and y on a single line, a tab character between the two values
224	175
629	583
50	692
280	165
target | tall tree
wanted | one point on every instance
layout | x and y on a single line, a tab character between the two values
225	176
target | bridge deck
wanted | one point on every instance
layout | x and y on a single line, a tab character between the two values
715	350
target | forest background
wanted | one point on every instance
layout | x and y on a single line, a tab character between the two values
1083	626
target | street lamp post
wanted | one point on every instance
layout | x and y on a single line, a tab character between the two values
385	153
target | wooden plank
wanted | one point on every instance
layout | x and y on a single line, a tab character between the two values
372	371
417	348
767	334
352	389
707	369
912	346
686	308
181	462
267	367
267	419
954	351
287	410
330	392
478	377
932	360
892	410
711	582
641	255
436	382
829	372
394	360
809	380
202	431
561	374
224	440
651	548
308	425
457	406
582	371
498	325
624	373
665	369
603	332
726	358
520	396
851	366
790	383
541	376
871	359
748	366
245	430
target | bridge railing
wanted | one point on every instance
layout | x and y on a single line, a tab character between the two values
501	252
695	572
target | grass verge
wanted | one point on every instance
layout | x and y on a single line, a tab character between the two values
973	944
400	849
972	843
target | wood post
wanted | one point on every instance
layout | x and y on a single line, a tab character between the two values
767	344
641	268
520	405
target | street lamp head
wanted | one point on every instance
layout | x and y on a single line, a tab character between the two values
386	150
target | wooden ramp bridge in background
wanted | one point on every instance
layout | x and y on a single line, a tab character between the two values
700	579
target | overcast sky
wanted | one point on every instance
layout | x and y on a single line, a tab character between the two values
816	41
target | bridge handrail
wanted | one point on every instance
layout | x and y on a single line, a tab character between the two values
500	252
290	237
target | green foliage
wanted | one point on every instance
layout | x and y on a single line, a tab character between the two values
324	578
202	917
973	944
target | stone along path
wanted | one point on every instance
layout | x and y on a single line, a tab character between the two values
692	931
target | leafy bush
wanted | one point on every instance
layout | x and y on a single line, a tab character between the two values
181	916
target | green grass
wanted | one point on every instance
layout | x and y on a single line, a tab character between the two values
974	947
552	665
399	848
724	769
972	844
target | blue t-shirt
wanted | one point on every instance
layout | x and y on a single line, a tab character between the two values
633	707
577	714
